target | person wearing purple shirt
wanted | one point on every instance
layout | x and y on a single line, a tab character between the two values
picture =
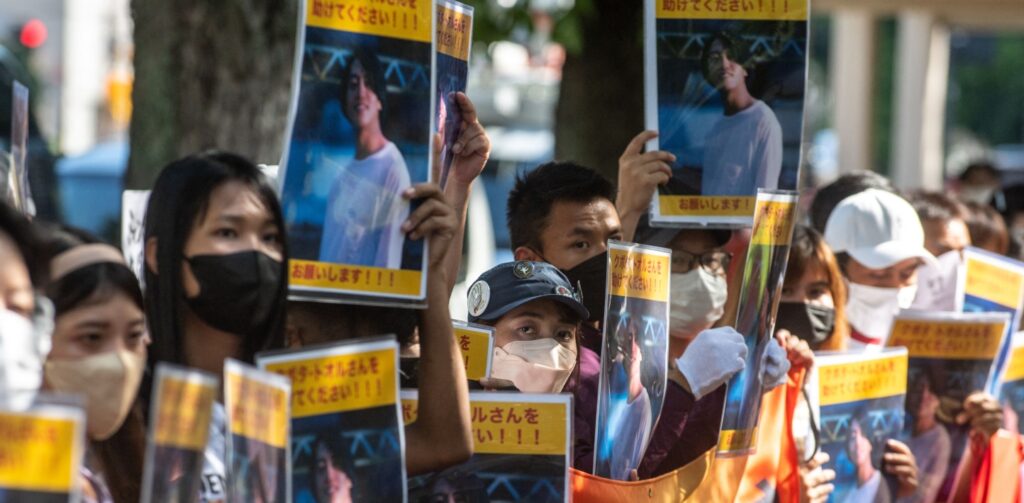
563	214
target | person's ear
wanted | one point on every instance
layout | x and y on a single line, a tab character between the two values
151	255
527	253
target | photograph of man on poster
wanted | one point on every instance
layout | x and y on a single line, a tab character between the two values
365	208
743	149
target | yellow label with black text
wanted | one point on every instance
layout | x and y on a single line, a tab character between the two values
784	10
454	32
736	440
402	19
862	380
1015	366
773	223
947	339
340	383
990	282
639	274
184	411
354	278
37	453
257	410
706	206
475	346
512	427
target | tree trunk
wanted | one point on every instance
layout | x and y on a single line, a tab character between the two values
601	99
209	74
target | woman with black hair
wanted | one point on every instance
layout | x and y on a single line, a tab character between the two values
99	352
215	274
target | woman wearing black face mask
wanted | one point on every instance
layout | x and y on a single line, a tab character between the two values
215	274
813	300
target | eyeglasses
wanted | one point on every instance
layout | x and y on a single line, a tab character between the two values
715	262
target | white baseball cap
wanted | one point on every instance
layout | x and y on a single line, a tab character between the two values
877	228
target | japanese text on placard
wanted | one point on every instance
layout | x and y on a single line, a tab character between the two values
340	383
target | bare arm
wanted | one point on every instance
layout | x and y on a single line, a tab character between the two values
441	435
469	156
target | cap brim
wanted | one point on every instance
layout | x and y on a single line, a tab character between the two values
578	308
889	253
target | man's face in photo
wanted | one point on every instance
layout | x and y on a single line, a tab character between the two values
362	106
722	71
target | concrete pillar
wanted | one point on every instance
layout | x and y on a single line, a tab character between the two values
851	67
85	65
921	80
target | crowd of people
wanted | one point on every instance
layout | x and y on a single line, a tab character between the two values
216	287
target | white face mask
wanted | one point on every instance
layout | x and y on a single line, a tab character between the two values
980	194
698	301
539	366
24	345
872	309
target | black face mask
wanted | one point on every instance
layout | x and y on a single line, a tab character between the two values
811	323
236	291
591	277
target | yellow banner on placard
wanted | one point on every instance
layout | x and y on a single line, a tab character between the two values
736	440
475	346
783	10
1015	366
989	281
454	31
639	274
706	206
862	380
773	223
185	409
354	277
37	453
340	383
402	19
258	410
947	339
512	427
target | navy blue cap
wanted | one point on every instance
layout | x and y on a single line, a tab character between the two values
510	285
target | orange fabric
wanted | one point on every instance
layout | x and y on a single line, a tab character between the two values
996	477
772	468
774	463
671	487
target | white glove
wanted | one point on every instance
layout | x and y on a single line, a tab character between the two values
713	357
774	366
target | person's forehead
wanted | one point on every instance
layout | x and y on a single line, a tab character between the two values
13	270
235	199
570	215
545	309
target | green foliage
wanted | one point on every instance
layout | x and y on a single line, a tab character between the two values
493	23
989	92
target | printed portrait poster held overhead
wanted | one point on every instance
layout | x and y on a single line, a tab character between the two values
763	274
358	137
634	360
521	451
346	420
724	88
454	42
951	356
861	398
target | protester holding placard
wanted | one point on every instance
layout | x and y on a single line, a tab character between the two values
215	273
440	438
99	352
